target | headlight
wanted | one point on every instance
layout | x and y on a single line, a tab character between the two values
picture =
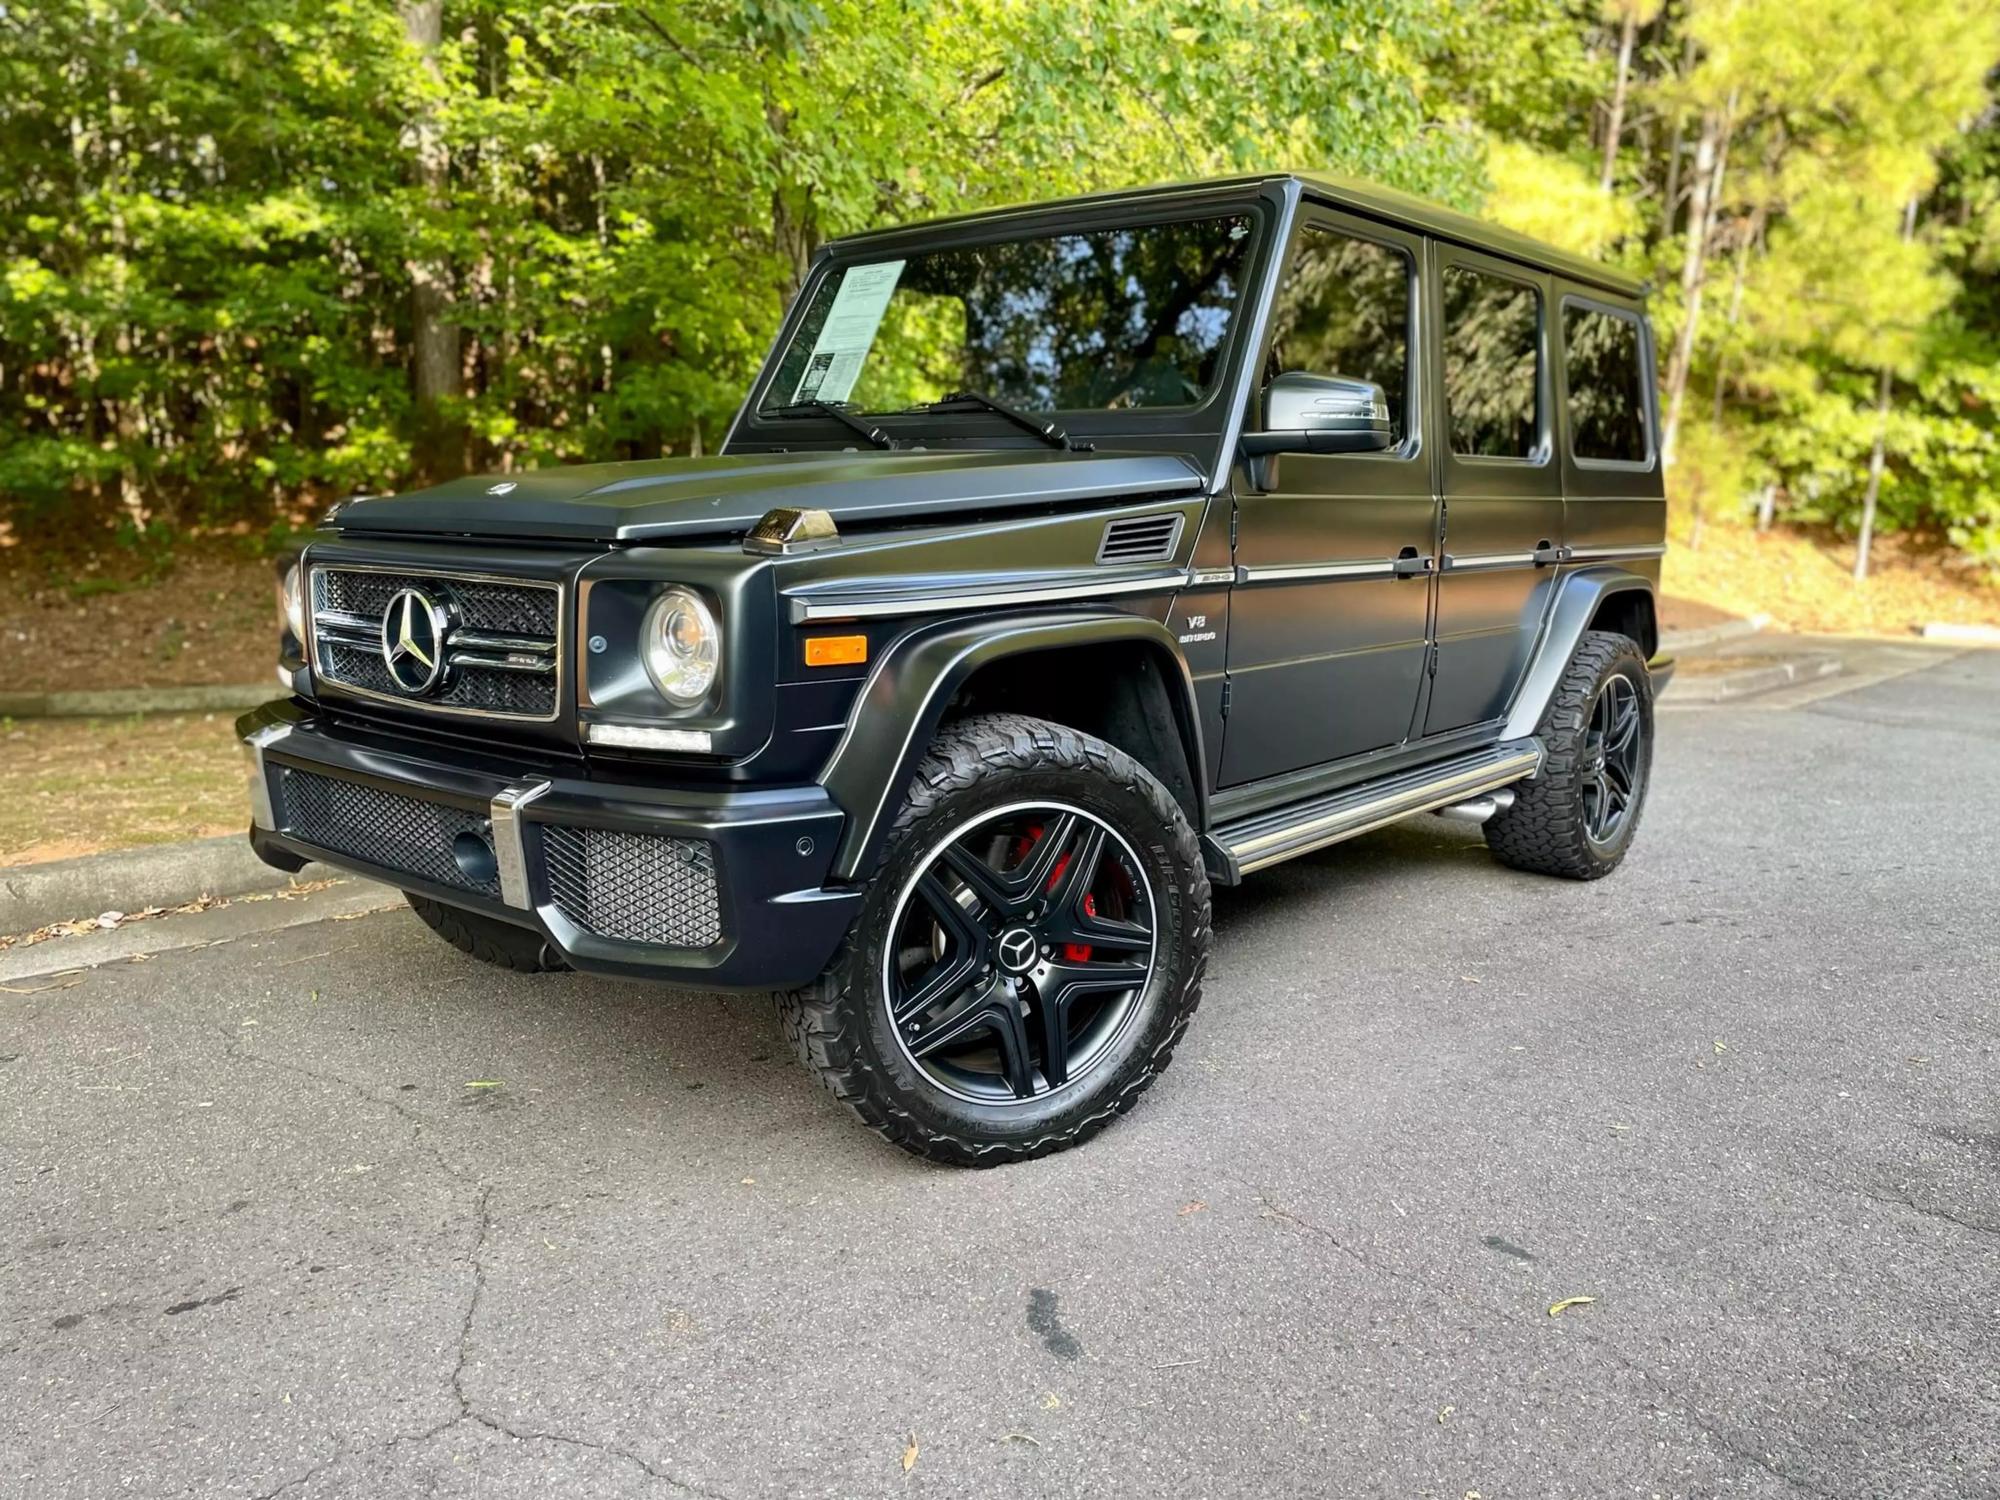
681	646
292	603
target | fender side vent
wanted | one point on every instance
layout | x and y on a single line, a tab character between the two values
1140	539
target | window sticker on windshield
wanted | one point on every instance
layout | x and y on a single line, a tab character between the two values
849	331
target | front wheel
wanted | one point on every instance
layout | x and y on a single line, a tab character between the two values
1577	817
1027	957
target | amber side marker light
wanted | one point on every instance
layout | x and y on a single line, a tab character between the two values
836	650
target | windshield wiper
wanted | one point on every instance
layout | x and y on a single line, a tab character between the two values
839	411
1048	432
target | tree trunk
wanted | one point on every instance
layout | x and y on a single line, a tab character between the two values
1671	192
1710	156
1879	454
437	354
1616	124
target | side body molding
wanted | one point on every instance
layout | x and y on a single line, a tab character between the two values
906	695
1578	599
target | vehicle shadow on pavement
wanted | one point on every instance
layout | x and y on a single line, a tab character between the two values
619	1076
1332	882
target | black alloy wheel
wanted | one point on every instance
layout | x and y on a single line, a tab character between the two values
1019	948
1578	815
1614	769
1027	954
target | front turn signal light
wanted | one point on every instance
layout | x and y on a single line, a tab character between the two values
836	650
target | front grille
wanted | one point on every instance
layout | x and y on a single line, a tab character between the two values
637	887
383	828
503	645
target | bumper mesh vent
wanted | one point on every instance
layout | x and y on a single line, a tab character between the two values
635	887
383	828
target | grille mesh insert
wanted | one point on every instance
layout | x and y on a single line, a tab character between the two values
636	887
526	610
383	828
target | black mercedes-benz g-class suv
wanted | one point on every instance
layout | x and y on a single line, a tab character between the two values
1061	562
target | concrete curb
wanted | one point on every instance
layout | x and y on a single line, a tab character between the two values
33	896
1962	635
1675	641
1728	687
118	702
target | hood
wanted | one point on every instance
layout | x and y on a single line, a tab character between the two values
704	497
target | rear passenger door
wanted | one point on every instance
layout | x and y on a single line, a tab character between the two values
1494	427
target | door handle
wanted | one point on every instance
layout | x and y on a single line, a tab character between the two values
1548	553
1410	565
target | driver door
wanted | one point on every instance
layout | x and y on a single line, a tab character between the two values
1335	553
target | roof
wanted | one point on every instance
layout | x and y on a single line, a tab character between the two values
1351	193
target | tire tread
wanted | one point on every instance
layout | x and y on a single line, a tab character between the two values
966	752
1543	832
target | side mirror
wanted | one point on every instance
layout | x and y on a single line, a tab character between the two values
1322	414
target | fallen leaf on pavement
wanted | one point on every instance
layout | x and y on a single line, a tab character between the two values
1556	1308
1020	1437
1194	1207
1443	1412
910	1454
477	1083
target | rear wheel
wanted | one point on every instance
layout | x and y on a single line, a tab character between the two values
1577	818
487	938
1028	956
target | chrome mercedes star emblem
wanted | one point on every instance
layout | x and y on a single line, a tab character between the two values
1017	950
413	628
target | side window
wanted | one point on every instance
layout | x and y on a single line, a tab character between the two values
1607	395
1344	309
1492	364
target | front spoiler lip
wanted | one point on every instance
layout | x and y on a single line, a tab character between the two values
774	847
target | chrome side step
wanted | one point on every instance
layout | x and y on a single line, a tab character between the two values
1250	844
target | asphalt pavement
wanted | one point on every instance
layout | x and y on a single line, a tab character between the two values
326	1209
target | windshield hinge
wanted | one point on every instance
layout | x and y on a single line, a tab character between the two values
1235	517
1225	697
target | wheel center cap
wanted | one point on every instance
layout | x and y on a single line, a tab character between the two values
1018	950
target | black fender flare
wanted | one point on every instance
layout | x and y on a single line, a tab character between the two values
1578	598
906	694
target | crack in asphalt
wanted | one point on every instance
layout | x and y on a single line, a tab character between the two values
421	1125
1675	1401
468	1411
1898	1200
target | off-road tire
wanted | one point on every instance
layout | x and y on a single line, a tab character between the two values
841	1027
1545	830
487	939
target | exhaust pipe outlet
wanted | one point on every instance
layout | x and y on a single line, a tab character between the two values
1479	809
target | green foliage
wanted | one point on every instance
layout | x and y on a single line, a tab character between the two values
215	216
210	215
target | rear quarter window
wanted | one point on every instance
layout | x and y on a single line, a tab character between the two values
1606	377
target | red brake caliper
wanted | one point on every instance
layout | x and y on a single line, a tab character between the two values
1076	953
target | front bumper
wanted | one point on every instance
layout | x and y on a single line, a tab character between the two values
715	889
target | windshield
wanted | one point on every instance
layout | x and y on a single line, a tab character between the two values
1097	320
